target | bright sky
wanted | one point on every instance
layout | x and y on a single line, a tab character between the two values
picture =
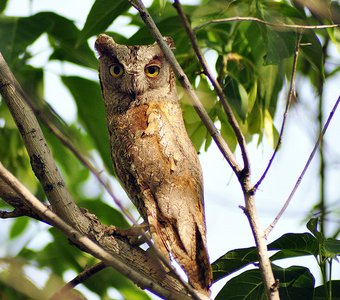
226	224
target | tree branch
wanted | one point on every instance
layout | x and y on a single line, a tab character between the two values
221	95
277	25
154	279
41	159
311	156
183	79
291	95
80	278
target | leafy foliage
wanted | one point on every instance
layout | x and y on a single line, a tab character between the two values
252	62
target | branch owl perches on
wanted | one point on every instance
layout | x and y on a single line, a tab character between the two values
152	154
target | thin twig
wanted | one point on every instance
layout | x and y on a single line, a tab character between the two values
183	79
311	156
221	95
277	25
291	95
80	278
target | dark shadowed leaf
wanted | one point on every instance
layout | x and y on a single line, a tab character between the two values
293	245
295	283
321	292
247	285
331	247
280	45
232	261
101	15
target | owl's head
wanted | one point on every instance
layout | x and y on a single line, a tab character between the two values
133	75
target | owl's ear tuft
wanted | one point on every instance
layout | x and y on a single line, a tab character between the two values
104	44
170	42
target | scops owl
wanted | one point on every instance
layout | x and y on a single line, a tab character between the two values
152	154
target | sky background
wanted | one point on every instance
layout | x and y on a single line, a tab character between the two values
227	225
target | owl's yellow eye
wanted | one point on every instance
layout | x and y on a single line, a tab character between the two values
152	70
116	70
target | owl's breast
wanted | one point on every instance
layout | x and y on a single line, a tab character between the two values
151	151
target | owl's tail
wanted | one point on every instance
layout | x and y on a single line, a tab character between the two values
194	260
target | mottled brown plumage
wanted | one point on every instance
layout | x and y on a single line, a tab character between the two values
152	153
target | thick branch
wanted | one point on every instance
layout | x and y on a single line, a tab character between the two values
219	91
137	269
41	159
183	79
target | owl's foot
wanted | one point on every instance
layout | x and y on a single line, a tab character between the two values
135	234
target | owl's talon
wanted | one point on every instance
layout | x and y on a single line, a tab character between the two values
133	234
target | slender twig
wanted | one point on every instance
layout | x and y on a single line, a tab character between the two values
80	278
290	97
219	91
277	25
84	242
183	79
311	156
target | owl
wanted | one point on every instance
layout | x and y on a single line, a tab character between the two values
152	154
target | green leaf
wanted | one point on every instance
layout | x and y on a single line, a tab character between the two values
16	34
280	45
233	261
312	225
101	15
295	282
63	38
91	112
247	285
331	247
3	4
18	227
294	245
107	214
320	291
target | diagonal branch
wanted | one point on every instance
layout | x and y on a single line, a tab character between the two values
311	156
232	120
183	79
143	279
41	159
291	95
277	25
80	278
